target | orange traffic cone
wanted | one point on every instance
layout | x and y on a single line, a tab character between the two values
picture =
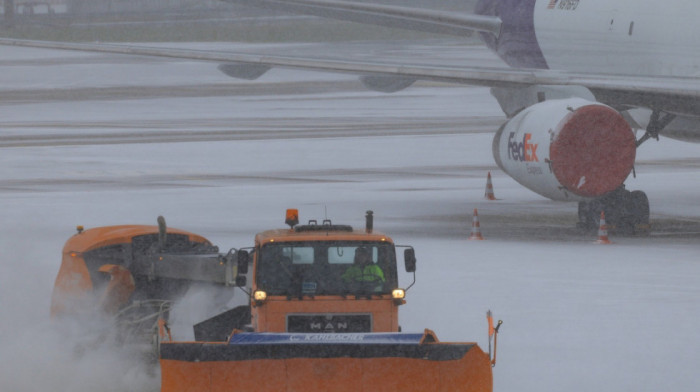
603	231
476	230
488	195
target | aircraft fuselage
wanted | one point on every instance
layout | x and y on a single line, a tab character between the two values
632	37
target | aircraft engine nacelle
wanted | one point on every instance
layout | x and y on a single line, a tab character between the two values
569	149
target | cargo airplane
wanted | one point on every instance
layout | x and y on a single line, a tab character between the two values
582	75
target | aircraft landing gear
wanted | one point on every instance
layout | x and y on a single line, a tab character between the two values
625	212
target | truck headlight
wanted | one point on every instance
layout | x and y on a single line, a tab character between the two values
259	296
398	294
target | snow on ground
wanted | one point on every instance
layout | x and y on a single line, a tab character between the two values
577	316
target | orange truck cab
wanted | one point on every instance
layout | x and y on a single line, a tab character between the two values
313	278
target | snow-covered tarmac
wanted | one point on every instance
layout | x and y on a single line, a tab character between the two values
100	140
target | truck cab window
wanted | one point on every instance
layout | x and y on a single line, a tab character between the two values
321	268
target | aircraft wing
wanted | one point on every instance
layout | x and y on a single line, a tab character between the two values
608	155
440	22
386	77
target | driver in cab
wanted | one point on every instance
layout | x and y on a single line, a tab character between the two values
363	270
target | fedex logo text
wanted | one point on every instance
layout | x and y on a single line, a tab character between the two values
522	151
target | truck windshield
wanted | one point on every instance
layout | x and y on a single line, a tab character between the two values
326	268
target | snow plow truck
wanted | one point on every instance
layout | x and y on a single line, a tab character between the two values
321	309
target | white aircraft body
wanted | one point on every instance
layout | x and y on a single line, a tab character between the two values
582	75
625	37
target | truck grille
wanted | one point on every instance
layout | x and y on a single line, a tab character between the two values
330	323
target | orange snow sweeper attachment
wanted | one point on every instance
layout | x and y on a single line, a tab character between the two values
109	267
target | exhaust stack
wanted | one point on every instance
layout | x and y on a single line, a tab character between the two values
369	222
162	233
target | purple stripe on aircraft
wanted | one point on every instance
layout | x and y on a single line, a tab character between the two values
517	44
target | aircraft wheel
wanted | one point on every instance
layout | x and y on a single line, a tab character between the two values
640	209
589	214
625	212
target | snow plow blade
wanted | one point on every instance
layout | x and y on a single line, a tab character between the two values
325	362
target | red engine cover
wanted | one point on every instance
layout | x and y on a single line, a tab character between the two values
594	151
569	149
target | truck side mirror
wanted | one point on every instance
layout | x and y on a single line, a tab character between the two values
242	257
409	259
241	281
